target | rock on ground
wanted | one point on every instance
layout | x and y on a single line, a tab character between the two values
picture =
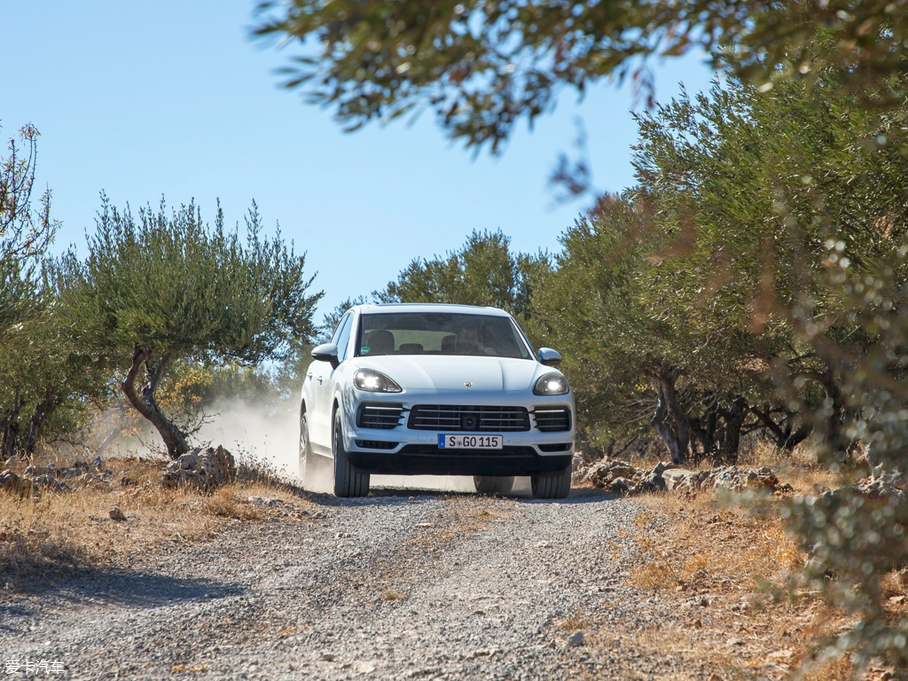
205	470
622	477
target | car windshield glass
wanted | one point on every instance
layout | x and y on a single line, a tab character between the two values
438	333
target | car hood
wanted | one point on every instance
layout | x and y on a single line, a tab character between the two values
447	372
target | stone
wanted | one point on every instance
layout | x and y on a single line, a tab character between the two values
580	461
623	478
116	514
604	473
206	470
740	479
13	484
265	501
882	484
34	471
681	478
576	639
25	484
620	486
652	481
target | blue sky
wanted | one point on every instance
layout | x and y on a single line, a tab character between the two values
174	98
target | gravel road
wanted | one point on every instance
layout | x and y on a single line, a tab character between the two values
399	585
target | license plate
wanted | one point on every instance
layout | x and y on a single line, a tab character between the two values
469	441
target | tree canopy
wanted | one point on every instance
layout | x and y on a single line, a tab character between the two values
483	271
25	230
484	65
162	286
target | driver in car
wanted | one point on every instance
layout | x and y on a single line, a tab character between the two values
469	342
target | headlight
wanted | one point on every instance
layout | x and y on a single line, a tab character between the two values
551	384
374	382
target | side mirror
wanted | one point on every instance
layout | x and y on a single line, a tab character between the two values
326	352
549	357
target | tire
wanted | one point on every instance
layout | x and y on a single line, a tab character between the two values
555	485
492	484
348	480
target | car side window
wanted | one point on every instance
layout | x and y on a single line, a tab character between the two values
343	337
340	327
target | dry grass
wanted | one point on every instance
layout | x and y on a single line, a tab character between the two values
579	622
714	562
723	567
392	595
462	516
709	544
64	530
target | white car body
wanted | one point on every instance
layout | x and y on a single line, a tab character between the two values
484	402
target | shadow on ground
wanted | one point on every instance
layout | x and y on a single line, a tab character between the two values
84	585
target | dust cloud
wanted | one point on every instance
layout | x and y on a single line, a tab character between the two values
268	436
257	433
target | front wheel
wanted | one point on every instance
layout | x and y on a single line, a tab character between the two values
493	484
349	481
555	485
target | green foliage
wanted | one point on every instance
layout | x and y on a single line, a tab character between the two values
46	379
160	288
791	235
482	272
172	283
856	540
24	231
482	65
50	380
603	334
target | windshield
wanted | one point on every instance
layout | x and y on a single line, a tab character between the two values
434	333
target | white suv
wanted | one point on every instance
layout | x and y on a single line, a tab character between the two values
419	389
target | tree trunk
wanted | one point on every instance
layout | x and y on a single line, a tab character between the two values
147	405
733	419
676	434
785	435
703	429
10	435
837	416
43	411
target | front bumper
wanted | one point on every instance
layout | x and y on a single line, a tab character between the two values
389	445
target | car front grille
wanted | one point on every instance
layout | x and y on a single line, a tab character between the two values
383	416
552	420
443	417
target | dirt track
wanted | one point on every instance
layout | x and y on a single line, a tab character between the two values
398	585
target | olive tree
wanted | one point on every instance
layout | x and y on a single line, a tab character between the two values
32	382
788	208
163	286
483	271
52	381
484	65
25	230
